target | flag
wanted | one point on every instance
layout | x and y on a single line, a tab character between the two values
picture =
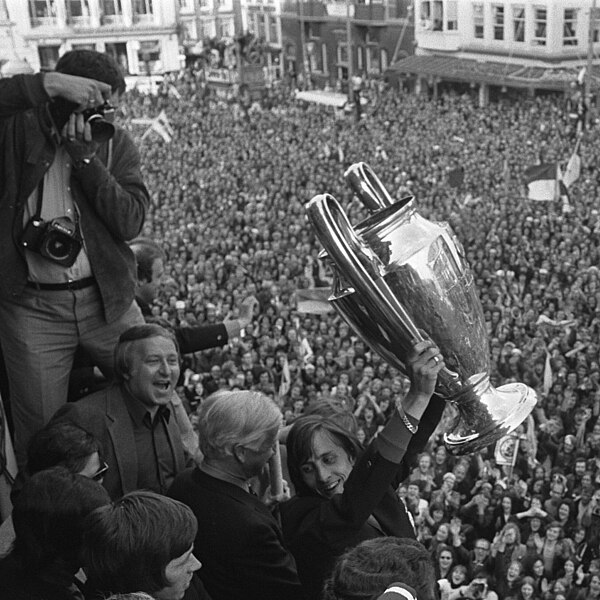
572	170
164	120
314	301
161	126
456	177
548	376
542	182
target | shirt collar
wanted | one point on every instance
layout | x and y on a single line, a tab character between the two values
224	476
138	411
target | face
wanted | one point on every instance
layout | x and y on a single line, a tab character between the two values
328	467
153	371
148	290
92	467
527	590
179	574
445	559
458	576
255	456
513	572
563	512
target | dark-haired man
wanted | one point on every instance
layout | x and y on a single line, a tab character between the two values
133	419
69	282
142	542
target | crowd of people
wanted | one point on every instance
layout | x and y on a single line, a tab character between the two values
227	190
244	180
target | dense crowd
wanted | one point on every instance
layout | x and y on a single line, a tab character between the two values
228	197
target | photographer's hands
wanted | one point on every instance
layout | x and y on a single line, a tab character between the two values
77	138
86	93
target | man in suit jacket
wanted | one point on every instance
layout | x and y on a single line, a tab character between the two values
239	542
132	419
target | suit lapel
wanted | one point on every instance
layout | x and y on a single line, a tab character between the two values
121	434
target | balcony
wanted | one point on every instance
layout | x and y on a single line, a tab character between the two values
112	20
44	21
80	22
143	19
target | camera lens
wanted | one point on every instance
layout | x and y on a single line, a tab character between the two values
58	247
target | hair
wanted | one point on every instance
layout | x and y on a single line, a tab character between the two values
299	445
334	410
48	518
93	65
63	444
123	353
130	596
128	544
365	571
146	252
230	418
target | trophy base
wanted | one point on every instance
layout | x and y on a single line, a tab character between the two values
486	414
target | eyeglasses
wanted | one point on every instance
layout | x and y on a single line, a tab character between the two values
481	548
99	474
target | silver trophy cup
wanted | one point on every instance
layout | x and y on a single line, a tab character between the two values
397	275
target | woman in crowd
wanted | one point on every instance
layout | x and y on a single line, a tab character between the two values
526	590
48	518
450	587
507	549
343	496
508	583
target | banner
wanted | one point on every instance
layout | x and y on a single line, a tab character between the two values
314	301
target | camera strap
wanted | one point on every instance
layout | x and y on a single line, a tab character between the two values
40	195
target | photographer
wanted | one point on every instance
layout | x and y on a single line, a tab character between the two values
71	195
477	589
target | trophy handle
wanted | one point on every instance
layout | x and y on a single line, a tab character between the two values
368	187
364	270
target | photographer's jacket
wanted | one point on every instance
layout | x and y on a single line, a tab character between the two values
112	202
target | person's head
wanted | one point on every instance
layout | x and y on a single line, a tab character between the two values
365	571
527	588
458	575
65	444
150	261
514	570
93	65
239	428
511	534
147	364
481	549
48	519
554	531
445	557
320	456
142	542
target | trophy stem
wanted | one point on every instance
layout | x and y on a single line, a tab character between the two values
486	414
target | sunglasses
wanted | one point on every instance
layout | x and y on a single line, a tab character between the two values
99	474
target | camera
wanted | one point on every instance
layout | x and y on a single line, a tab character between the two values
58	240
101	120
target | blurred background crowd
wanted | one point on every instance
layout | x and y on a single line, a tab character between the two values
228	195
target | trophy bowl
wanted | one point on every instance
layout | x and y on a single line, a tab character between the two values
400	278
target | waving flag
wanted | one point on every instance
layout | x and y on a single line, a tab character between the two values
542	182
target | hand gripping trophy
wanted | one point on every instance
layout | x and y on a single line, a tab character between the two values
399	278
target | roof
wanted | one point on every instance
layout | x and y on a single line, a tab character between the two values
489	71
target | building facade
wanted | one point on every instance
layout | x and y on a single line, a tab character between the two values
142	35
328	41
500	46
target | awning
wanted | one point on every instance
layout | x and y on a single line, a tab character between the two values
449	68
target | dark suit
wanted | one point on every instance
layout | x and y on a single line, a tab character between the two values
105	416
239	541
317	530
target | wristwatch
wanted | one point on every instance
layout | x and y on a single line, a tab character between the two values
82	162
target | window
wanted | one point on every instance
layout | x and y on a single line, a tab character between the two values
518	24
142	7
432	15
498	12
570	27
78	12
478	21
595	25
112	8
539	26
42	12
260	26
48	57
452	15
273	30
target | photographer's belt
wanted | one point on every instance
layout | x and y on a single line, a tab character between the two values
67	285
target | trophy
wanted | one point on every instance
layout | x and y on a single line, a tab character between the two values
399	278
